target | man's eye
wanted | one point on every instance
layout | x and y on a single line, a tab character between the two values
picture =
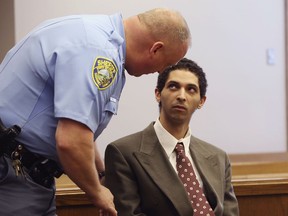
172	86
192	90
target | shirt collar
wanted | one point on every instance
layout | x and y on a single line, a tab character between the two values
168	141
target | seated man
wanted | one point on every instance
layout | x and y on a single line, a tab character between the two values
148	172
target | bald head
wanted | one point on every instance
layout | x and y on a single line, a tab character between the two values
155	39
164	23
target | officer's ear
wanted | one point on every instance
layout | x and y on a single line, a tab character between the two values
156	47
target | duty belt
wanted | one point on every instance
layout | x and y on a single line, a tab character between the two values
39	168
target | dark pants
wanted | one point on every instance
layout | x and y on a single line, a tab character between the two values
22	196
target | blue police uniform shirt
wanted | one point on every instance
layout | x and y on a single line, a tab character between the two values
69	67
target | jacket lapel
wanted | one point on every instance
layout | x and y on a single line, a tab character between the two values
154	160
208	168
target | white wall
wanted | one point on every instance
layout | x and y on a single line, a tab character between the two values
245	110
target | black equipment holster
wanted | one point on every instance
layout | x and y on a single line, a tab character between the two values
39	168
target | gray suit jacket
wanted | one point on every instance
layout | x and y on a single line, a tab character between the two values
143	181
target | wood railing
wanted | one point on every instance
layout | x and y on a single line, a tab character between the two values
71	201
260	183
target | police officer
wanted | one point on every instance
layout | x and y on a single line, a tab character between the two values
61	85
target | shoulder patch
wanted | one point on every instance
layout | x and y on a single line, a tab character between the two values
104	72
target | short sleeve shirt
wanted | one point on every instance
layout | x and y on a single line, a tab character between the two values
69	67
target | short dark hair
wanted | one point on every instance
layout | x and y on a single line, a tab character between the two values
188	65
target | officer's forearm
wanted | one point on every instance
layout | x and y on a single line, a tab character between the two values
77	155
80	170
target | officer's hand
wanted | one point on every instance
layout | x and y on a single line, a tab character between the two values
104	201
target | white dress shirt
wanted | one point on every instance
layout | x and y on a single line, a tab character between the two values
169	142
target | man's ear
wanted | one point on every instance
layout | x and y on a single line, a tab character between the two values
202	101
157	95
156	47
